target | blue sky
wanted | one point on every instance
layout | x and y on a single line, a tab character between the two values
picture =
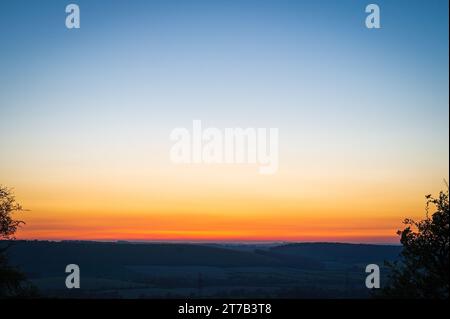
85	114
137	69
293	64
268	61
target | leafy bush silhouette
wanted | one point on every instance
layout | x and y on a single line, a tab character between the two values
12	282
423	271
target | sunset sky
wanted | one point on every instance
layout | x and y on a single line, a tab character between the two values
86	114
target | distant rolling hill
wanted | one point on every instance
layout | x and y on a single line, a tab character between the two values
338	252
46	256
147	270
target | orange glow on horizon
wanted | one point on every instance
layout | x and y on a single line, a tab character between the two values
210	204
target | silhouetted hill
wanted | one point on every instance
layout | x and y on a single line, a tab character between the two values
47	256
338	252
182	270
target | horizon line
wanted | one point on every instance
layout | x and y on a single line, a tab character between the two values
235	242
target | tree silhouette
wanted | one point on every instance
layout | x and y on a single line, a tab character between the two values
423	271
8	206
12	281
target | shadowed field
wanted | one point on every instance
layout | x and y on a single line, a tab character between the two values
166	270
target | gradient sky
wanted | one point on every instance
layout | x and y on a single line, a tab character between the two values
85	117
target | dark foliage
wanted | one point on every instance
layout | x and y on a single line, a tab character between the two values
423	271
12	282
